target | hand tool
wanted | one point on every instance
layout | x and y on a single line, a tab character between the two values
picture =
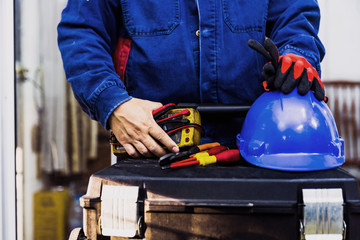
193	160
173	157
163	109
224	157
184	135
202	154
183	125
184	112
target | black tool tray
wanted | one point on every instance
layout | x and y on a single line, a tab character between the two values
219	202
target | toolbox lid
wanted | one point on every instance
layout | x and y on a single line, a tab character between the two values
239	185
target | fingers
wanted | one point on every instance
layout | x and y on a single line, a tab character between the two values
138	142
252	43
154	105
304	83
268	73
298	69
136	130
273	50
280	77
147	143
269	50
318	90
269	69
290	82
159	135
288	71
293	77
288	74
131	151
152	148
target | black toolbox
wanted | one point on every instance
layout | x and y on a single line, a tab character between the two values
135	198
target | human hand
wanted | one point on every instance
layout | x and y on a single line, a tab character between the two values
136	130
288	71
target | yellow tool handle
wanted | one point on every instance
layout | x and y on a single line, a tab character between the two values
208	146
206	160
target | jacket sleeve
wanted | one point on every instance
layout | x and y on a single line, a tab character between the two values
87	36
293	25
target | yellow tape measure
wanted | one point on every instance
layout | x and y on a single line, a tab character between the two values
184	135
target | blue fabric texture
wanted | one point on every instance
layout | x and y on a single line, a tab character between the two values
169	62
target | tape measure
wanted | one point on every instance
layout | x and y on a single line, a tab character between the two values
183	125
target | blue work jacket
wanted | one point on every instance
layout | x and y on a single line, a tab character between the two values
179	51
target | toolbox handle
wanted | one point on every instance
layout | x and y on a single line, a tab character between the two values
215	108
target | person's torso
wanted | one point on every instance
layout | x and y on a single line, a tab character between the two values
192	51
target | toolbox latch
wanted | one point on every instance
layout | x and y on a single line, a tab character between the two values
119	211
323	215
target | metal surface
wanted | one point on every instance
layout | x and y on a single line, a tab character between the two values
323	214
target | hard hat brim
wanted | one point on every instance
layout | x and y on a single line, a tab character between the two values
294	163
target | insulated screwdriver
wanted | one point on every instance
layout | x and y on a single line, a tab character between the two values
206	153
193	160
225	157
173	157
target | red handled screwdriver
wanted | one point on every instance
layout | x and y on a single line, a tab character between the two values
173	157
227	156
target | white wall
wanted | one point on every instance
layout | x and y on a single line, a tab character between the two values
28	116
41	103
53	119
340	34
7	123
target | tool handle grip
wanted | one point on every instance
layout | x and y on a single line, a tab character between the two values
216	150
161	110
207	146
185	160
184	164
228	156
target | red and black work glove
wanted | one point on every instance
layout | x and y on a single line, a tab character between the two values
288	71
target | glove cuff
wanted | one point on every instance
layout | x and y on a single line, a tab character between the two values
315	63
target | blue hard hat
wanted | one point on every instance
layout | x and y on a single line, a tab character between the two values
291	132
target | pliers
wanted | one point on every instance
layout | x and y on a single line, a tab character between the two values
173	157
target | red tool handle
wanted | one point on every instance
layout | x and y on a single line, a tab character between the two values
185	112
228	156
184	164
216	150
210	152
156	111
185	160
207	146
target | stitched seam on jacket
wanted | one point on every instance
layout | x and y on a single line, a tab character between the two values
93	97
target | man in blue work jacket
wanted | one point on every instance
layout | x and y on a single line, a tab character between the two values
125	58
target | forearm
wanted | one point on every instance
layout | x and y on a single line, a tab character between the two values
293	26
87	35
